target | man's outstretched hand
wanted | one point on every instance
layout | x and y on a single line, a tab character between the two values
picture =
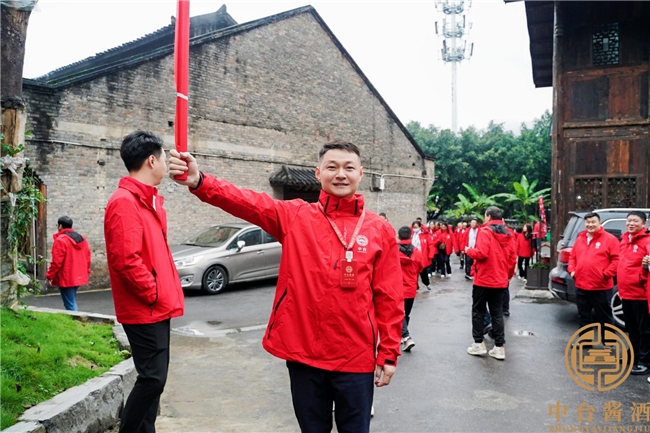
180	163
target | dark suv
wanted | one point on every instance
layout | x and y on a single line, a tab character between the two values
560	282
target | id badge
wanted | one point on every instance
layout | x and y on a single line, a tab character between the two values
349	274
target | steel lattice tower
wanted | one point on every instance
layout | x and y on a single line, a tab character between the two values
455	46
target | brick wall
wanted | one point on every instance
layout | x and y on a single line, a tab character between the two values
259	99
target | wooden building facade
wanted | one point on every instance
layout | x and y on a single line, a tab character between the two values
595	55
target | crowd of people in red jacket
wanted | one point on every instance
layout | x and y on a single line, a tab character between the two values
437	241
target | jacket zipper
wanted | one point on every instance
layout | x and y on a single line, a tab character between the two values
275	312
374	339
153	272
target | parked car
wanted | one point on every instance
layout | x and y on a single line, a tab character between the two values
226	253
561	284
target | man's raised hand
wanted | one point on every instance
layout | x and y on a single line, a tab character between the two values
180	163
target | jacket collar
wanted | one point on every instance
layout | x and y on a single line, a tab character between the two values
493	222
146	193
635	237
62	232
404	242
337	206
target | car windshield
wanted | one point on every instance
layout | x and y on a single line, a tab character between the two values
212	237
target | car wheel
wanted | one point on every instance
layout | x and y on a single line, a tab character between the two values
617	311
215	280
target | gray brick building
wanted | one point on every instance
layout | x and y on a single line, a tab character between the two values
264	96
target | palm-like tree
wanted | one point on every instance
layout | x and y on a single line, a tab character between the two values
480	201
525	198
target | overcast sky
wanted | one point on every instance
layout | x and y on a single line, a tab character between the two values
394	44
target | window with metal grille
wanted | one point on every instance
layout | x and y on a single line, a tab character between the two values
621	192
588	193
605	44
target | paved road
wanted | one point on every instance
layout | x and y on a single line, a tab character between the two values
227	383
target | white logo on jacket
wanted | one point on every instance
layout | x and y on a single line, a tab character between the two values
362	240
597	245
635	249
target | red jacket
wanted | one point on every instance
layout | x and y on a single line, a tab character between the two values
446	237
594	264
411	268
494	256
630	278
465	240
525	246
459	235
70	265
425	246
146	287
314	321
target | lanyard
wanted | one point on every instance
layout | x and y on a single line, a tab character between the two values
348	247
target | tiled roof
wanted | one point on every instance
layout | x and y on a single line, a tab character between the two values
297	177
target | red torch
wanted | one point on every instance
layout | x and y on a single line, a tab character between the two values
181	73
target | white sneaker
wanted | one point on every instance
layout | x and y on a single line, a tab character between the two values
477	349
372	410
429	287
498	353
408	344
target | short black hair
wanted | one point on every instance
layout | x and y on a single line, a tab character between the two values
65	222
339	144
639	214
419	223
138	146
404	233
382	214
494	212
592	215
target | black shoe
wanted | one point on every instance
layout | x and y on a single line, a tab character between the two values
506	312
640	369
467	277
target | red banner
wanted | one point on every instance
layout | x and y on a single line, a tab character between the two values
181	73
542	217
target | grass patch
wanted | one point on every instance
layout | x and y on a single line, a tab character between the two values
44	354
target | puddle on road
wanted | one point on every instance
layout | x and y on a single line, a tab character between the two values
214	322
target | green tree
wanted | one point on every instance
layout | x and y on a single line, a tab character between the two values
525	198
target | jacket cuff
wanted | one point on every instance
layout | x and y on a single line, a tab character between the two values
198	185
384	360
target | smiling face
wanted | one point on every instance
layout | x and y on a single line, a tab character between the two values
339	173
634	224
592	225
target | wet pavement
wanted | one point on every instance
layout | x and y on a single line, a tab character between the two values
221	380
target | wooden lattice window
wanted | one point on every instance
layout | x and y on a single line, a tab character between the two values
588	193
621	192
605	44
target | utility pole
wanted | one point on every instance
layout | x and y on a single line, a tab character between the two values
455	49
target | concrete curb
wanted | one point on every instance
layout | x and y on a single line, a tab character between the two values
92	407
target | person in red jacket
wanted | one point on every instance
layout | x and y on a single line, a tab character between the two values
525	249
70	265
421	240
411	262
339	303
146	288
459	234
443	243
592	264
494	259
469	240
631	289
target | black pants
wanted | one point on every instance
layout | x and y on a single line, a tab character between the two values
468	265
637	324
425	277
482	299
313	392
150	350
599	301
523	263
443	262
408	306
